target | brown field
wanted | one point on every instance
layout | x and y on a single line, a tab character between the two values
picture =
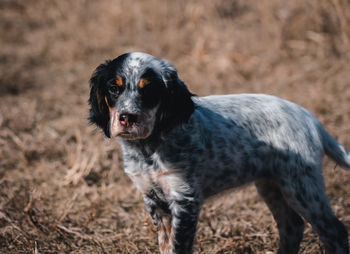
62	187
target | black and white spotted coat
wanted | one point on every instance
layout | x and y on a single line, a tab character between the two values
222	142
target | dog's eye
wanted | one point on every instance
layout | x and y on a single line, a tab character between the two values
113	90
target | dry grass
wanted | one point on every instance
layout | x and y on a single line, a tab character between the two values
62	189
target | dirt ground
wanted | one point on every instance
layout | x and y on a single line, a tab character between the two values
62	187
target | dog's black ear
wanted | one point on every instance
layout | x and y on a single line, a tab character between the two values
99	113
176	103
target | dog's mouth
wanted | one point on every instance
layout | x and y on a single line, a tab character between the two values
127	125
125	134
130	126
129	130
135	131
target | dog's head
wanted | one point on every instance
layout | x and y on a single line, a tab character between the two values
135	95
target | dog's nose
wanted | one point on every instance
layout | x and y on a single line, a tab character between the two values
127	119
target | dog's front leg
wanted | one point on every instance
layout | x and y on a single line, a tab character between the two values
161	215
176	223
184	223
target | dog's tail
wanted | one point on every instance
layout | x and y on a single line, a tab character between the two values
334	150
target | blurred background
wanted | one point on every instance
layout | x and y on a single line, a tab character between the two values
62	188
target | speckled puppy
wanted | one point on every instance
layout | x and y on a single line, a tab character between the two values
179	149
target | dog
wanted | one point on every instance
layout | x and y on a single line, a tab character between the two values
179	149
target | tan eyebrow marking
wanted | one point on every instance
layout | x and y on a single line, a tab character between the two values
143	82
119	81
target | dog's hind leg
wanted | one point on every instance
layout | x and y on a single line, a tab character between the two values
306	194
290	224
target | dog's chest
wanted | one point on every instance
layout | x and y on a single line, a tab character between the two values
167	182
